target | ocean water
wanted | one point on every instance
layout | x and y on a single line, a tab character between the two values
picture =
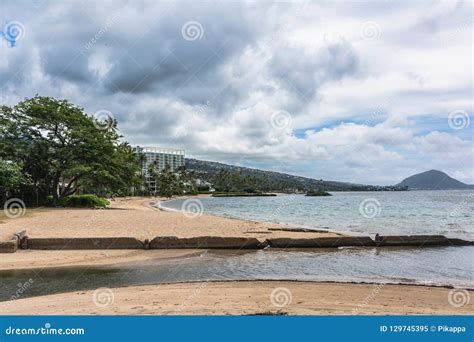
388	213
428	266
414	212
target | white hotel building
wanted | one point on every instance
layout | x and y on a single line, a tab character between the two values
160	157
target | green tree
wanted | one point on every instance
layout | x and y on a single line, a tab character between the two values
222	180
61	148
152	173
186	181
120	175
166	182
11	178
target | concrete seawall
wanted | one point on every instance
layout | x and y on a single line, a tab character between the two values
211	242
324	242
9	246
12	245
365	241
84	243
420	240
20	240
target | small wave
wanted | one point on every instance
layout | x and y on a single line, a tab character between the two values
159	205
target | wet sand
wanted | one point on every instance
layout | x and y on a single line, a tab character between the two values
135	217
36	259
245	298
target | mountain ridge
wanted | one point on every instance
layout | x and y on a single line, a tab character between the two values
433	180
428	180
277	181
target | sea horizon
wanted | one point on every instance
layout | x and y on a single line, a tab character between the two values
444	212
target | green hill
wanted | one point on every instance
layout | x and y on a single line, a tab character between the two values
433	180
262	180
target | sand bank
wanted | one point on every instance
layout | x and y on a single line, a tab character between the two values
36	259
135	217
127	217
246	297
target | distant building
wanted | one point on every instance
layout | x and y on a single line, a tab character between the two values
159	157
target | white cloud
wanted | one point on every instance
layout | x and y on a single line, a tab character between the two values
364	110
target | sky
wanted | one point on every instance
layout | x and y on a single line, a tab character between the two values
366	92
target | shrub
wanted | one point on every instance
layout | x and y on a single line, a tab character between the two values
84	201
249	190
49	200
318	193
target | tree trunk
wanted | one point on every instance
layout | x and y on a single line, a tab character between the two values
55	188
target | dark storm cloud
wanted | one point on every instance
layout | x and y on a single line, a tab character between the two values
215	93
162	61
146	54
303	73
75	70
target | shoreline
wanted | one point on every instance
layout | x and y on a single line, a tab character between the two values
123	259
158	205
246	298
153	219
137	216
62	259
130	216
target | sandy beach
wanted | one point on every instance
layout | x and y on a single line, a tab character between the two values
245	298
29	259
136	217
126	217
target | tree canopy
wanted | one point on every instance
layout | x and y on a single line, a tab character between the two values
11	177
61	149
